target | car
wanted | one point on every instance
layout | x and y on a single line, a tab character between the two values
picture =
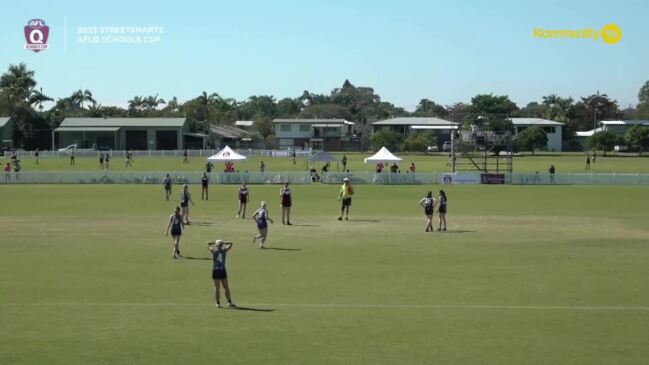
447	146
619	148
69	148
432	149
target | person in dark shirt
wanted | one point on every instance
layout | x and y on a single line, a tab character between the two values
167	184
442	209
551	170
185	199
243	200
286	203
205	183
185	156
344	161
36	154
176	225
219	250
428	202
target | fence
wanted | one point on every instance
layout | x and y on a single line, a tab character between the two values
162	153
145	177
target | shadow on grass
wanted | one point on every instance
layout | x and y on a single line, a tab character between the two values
366	220
196	258
305	225
253	309
456	231
202	224
283	249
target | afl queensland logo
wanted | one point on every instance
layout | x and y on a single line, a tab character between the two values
36	34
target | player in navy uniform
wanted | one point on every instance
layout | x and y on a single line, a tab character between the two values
107	161
36	154
261	218
428	202
205	183
185	199
176	226
442	209
167	184
185	156
286	202
101	161
219	250
244	197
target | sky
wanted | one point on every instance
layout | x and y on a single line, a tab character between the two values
406	50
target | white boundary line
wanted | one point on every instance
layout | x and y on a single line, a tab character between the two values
353	306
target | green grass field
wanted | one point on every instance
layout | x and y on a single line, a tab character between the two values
563	163
525	275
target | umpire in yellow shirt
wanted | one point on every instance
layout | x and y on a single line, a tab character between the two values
346	192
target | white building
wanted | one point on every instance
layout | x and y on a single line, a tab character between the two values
328	134
551	128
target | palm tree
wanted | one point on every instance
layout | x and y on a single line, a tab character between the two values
37	98
152	102
17	82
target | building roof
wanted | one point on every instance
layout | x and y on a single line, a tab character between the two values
123	122
415	121
86	129
625	122
231	132
4	120
533	121
314	121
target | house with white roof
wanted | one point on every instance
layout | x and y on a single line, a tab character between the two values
328	134
620	127
552	129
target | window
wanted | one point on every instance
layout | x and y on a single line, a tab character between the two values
549	130
330	130
305	127
285	127
520	129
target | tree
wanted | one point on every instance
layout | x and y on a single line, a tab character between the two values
604	141
643	94
419	142
428	108
17	83
531	138
585	113
642	111
637	138
388	138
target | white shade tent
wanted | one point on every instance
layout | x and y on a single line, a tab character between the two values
227	154
383	156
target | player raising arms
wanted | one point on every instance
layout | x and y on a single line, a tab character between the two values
219	250
167	184
346	192
286	202
185	199
261	218
243	200
428	202
176	225
442	209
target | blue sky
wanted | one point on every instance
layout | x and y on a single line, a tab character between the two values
407	50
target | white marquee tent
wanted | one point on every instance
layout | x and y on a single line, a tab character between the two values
383	156
226	154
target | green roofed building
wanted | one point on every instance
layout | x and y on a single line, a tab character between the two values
127	133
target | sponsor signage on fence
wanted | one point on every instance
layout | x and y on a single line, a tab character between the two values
493	178
460	178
